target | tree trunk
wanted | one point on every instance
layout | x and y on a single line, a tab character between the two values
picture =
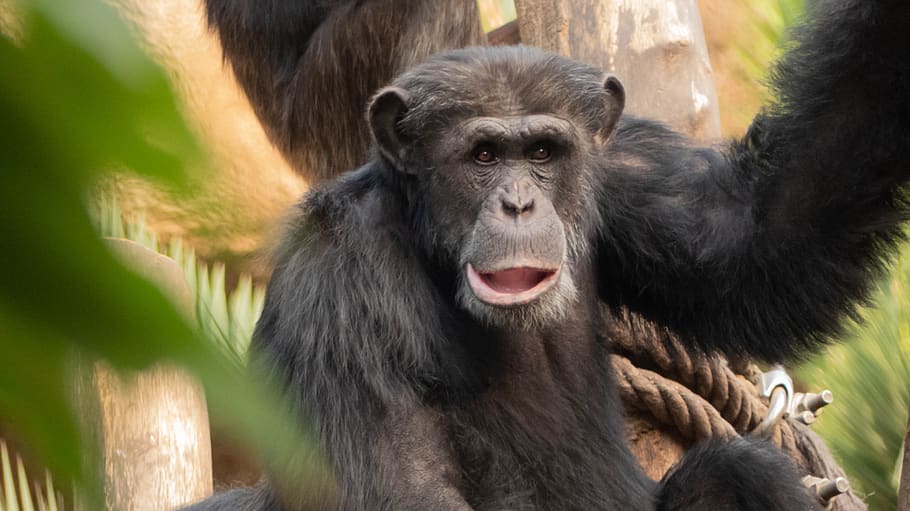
151	427
656	48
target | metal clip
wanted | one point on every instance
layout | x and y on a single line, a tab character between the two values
777	386
826	489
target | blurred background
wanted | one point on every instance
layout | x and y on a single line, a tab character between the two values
120	119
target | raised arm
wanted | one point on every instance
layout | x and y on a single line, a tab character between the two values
310	66
767	246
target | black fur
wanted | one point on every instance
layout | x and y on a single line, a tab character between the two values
310	67
240	499
763	247
742	475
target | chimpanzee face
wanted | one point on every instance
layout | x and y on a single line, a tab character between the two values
501	185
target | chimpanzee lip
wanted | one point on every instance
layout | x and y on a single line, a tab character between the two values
511	286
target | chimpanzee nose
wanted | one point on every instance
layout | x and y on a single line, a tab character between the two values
514	206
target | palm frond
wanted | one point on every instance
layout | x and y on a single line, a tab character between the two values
226	317
46	499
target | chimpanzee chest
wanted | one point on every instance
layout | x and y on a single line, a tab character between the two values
547	434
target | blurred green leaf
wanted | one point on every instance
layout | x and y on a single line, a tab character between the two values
64	118
32	370
96	28
72	108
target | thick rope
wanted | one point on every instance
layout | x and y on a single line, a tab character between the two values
669	402
700	396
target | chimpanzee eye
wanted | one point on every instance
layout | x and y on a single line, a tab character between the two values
539	152
484	155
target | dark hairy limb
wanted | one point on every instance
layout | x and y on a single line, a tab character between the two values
764	248
310	67
740	475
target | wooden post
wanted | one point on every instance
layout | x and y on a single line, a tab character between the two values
656	48
152	427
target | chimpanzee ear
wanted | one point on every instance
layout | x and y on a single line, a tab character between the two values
388	107
615	102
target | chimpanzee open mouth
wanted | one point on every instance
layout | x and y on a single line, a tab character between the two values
511	286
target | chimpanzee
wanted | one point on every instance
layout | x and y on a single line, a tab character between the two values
309	67
440	313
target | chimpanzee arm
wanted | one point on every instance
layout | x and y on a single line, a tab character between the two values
309	67
351	328
767	246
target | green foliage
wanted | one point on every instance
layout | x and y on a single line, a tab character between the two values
869	376
770	21
77	99
46	499
63	117
227	318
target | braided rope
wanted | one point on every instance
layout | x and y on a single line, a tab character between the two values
669	402
701	396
